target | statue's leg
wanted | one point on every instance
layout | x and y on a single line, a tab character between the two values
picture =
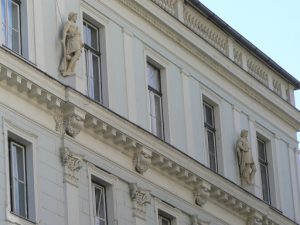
253	171
72	63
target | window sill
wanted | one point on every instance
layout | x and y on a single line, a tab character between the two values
19	220
17	55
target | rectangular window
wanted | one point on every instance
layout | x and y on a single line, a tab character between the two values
18	179
155	97
210	130
263	163
162	220
11	24
99	201
92	61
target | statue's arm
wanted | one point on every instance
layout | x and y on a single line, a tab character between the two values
65	31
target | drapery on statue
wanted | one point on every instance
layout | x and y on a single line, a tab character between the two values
245	159
72	45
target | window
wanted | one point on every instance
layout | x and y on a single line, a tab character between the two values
99	201
21	181
162	220
210	131
11	24
263	163
92	61
155	98
18	179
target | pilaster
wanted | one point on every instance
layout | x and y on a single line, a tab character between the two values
294	178
72	164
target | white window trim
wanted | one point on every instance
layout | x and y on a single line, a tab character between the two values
273	173
214	100
101	22
110	188
174	213
155	59
9	126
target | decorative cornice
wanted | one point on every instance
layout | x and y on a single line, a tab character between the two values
140	199
229	195
72	164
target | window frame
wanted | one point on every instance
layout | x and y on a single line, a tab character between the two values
89	52
165	210
271	147
152	92
12	160
108	181
211	128
94	186
29	141
264	163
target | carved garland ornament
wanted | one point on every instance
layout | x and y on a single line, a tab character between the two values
72	164
140	198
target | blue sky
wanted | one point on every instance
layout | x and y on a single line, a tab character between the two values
271	25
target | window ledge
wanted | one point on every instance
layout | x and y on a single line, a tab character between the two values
18	55
16	219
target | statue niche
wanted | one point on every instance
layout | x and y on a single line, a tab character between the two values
245	159
72	45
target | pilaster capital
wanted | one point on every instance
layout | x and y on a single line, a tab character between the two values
72	164
140	198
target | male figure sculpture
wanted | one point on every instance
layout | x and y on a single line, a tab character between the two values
72	45
245	159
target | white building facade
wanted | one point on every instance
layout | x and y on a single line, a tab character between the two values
144	131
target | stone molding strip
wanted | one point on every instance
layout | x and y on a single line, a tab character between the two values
204	184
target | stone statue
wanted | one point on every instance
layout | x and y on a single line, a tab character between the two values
72	45
245	159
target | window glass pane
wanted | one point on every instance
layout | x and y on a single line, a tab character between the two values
91	36
209	119
3	11
15	42
20	163
261	150
264	181
100	205
153	77
158	113
14	17
22	200
96	77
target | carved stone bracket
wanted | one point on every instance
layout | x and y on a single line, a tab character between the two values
70	121
202	193
72	164
195	220
140	198
142	160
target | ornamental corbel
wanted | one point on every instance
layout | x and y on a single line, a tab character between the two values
140	198
142	160
202	193
255	219
72	164
69	121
